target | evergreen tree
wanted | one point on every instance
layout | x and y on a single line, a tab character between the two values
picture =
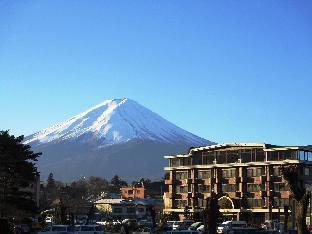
97	185
116	184
17	171
116	181
51	189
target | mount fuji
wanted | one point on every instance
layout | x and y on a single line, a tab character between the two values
118	136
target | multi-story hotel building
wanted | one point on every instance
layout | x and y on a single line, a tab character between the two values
246	177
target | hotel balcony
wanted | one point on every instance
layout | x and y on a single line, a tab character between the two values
168	195
168	182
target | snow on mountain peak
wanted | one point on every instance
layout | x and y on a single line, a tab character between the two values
115	121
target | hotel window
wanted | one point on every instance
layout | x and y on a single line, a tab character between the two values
292	154
277	171
208	157
255	202
254	172
301	155
185	161
221	157
254	187
181	189
204	174
229	173
228	188
130	192
272	156
204	188
180	203
307	171
260	156
280	187
232	156
181	175
246	155
281	202
201	202
197	158
173	162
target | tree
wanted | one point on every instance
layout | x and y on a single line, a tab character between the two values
51	188
291	174
17	171
211	214
145	181
117	183
97	185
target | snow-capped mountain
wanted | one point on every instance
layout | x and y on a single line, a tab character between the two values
113	122
117	130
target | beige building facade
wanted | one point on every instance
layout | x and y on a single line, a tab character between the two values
246	177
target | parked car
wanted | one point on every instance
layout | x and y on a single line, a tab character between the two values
183	232
146	223
176	225
231	225
201	228
170	224
48	219
195	225
58	229
89	229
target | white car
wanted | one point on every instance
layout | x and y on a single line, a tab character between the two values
176	225
195	225
48	219
201	228
230	225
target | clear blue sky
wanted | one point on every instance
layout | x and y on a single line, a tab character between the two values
229	71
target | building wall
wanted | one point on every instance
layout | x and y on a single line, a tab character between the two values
131	192
123	210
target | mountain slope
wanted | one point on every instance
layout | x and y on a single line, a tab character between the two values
118	136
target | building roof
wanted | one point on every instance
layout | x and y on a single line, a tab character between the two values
266	147
109	201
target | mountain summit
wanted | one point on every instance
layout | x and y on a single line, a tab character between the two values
118	136
113	122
